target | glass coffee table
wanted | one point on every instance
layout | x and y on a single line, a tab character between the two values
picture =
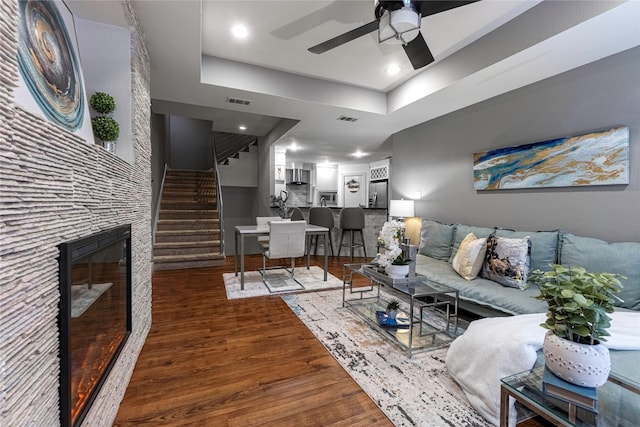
618	399
423	297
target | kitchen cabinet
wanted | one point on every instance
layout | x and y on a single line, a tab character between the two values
327	178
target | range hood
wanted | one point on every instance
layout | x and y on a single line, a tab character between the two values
297	177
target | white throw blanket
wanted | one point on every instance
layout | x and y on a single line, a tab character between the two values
495	348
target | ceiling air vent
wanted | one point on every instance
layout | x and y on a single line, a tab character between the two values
347	119
238	101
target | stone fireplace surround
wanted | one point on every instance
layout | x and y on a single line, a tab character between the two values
55	187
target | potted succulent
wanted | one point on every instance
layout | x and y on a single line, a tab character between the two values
105	127
392	308
577	319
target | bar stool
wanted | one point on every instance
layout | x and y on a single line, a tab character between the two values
352	220
324	218
296	214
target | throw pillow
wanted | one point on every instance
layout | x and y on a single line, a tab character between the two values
600	256
435	239
470	256
507	261
462	231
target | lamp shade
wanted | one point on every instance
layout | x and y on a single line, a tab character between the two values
401	208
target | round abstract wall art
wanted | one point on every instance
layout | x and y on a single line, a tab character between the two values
48	63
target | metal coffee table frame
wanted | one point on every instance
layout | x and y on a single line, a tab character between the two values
422	294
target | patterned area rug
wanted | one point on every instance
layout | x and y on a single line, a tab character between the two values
279	282
82	297
411	392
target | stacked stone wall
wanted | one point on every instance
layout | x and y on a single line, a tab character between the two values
54	187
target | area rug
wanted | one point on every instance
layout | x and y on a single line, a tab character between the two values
312	280
411	392
82	297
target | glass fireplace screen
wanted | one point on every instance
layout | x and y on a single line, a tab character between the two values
95	316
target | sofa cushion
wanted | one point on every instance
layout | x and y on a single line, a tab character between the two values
544	246
435	239
461	232
481	291
599	256
507	261
470	256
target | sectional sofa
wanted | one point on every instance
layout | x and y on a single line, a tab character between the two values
439	243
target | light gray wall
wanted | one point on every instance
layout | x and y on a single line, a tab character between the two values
436	157
159	147
243	204
191	143
105	51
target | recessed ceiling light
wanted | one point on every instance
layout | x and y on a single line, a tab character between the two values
242	127
393	69
240	31
358	154
293	146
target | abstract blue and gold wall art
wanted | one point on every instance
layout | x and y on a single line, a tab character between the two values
49	64
598	158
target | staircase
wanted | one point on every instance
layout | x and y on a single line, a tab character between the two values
188	228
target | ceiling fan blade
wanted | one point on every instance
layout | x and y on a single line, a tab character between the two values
418	52
344	38
432	7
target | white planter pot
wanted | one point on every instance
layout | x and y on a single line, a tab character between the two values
397	271
581	364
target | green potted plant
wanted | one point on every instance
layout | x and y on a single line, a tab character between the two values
577	319
392	308
102	102
105	128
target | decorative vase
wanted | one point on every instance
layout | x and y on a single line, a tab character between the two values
397	271
581	364
391	314
110	146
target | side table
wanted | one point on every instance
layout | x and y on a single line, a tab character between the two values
618	402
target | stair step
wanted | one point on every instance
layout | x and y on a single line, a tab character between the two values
185	192
188	224
189	173
187	205
186	235
169	214
186	248
206	199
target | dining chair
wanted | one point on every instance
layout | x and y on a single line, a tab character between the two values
286	240
263	241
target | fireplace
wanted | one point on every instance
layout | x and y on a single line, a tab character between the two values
95	316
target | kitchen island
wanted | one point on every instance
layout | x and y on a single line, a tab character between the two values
374	218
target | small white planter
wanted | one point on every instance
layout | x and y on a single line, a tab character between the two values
581	364
397	271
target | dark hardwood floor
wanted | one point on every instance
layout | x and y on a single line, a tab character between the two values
209	361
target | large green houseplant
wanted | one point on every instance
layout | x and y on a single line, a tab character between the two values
578	303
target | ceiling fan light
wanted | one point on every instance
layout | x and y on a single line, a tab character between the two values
399	26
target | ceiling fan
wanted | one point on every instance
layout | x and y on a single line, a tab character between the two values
397	22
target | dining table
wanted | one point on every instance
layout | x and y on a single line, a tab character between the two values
244	231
